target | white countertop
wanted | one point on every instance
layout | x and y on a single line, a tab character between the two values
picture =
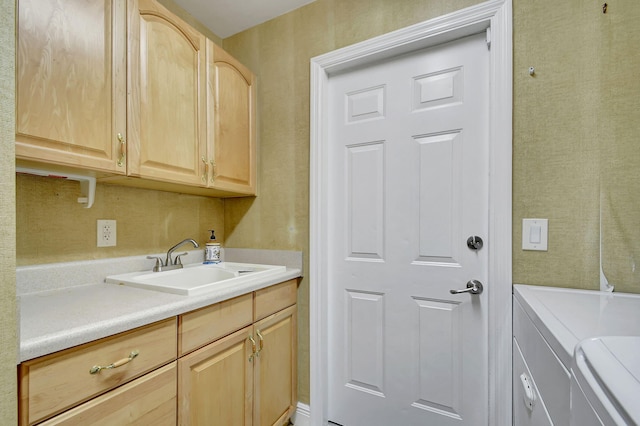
61	318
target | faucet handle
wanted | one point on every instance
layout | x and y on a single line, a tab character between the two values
177	260
159	265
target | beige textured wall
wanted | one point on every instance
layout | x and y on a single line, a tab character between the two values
576	133
8	325
53	227
619	142
278	52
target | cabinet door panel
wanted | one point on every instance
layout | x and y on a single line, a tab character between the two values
231	92
71	82
215	383
275	369
167	137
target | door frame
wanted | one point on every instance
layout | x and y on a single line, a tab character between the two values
494	16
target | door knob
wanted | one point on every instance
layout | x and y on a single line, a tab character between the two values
473	287
474	242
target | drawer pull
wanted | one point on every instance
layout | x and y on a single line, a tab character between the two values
97	368
261	342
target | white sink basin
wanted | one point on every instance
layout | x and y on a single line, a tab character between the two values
197	278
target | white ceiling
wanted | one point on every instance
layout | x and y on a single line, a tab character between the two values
228	17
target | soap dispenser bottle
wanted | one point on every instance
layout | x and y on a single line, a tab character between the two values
212	250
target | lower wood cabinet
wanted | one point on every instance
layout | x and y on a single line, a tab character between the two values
230	363
247	378
55	383
275	367
215	383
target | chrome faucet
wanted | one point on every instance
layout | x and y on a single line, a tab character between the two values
169	263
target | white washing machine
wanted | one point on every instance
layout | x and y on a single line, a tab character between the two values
548	324
605	383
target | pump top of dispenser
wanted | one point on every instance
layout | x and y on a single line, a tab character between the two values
213	236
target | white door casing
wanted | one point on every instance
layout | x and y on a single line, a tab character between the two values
408	182
495	16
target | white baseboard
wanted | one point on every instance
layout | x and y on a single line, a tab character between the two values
302	416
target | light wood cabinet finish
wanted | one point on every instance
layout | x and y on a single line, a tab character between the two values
197	328
131	93
237	366
275	380
215	383
231	133
249	377
272	299
149	400
71	83
166	103
54	383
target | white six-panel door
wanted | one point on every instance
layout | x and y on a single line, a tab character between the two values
408	184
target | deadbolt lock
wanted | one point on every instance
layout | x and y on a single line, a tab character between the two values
474	242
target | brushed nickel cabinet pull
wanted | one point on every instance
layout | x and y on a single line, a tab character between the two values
97	368
123	151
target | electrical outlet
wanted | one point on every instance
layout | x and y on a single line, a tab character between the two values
106	233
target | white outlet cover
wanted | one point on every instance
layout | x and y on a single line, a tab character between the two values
106	233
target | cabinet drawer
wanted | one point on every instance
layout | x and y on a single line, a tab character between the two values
150	399
275	298
57	382
205	325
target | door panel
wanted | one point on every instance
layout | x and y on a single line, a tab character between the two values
408	184
365	341
365	216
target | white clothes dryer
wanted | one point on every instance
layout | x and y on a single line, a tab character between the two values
605	382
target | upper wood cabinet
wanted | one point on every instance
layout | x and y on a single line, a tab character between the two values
167	135
71	83
131	91
231	94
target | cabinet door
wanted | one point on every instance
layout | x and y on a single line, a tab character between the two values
215	383
71	83
149	400
275	368
231	122
167	137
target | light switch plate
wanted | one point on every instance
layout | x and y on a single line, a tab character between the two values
535	234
